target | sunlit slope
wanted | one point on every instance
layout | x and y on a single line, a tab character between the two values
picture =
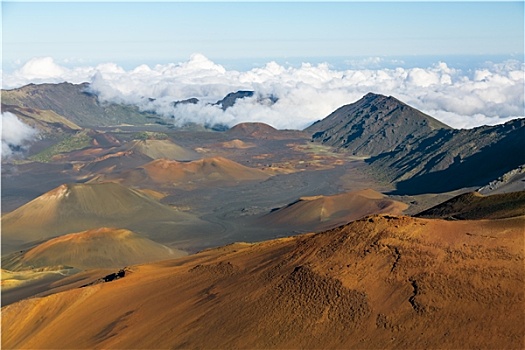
328	211
75	207
158	149
213	171
97	248
380	282
208	169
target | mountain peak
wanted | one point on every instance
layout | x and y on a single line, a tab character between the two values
372	95
75	207
230	99
96	248
373	125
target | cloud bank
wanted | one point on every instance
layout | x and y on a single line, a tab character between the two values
490	95
15	135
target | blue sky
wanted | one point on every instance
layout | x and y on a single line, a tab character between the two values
134	32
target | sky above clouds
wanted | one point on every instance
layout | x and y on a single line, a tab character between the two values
461	62
163	32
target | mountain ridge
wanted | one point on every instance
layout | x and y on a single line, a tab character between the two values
76	103
447	160
418	153
373	125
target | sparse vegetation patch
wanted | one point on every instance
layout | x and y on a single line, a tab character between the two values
70	143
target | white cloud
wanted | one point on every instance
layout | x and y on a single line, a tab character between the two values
45	70
490	95
15	134
42	68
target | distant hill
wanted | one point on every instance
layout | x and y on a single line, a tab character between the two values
322	212
202	173
236	143
383	282
101	152
96	248
75	147
252	130
76	103
373	125
166	149
207	169
472	206
76	207
263	131
191	101
230	99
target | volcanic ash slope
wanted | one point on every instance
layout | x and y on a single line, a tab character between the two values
76	207
158	149
322	212
380	282
215	171
98	248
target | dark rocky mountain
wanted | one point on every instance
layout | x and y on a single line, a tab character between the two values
475	206
230	99
417	152
373	125
76	103
446	160
192	101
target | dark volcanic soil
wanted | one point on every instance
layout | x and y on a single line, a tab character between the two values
297	168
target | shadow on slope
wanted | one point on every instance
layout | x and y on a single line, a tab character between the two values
472	206
489	163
